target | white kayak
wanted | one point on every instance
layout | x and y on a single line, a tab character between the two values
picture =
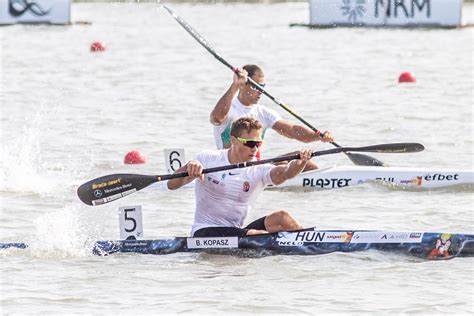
343	176
403	177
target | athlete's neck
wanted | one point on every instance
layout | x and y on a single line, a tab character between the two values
243	100
233	157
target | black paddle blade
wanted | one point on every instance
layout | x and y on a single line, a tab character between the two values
112	187
364	160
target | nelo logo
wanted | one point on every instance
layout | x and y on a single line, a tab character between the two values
17	8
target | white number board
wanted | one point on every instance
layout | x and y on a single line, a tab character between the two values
130	222
174	159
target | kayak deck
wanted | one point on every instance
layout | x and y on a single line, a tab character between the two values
305	242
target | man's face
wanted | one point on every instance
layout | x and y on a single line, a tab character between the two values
248	144
251	93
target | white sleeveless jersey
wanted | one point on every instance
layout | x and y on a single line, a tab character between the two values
267	117
224	198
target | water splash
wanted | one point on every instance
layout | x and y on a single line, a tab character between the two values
23	167
65	233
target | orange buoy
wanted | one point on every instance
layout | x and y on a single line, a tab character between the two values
98	47
407	77
134	157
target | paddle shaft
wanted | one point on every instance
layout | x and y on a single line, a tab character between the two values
112	187
211	50
355	158
247	164
382	148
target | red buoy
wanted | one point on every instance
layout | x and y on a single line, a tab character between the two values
98	47
134	157
407	77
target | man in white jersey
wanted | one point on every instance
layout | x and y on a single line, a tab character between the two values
224	199
241	100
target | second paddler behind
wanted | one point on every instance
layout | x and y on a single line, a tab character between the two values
224	199
242	100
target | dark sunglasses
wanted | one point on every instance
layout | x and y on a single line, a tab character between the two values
251	143
255	88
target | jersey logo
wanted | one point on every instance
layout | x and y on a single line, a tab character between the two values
246	186
233	174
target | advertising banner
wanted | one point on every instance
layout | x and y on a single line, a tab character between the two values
446	13
35	11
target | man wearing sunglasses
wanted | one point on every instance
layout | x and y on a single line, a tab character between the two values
224	199
241	100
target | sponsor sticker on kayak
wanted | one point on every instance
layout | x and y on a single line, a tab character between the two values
299	238
324	183
212	242
386	237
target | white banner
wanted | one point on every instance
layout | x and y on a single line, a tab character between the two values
385	12
35	11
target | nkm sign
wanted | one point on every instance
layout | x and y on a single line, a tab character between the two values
35	11
385	12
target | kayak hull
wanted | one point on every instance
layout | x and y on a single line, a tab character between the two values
305	242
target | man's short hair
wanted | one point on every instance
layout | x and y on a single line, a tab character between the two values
245	124
252	69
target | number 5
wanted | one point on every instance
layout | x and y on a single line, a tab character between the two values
130	219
